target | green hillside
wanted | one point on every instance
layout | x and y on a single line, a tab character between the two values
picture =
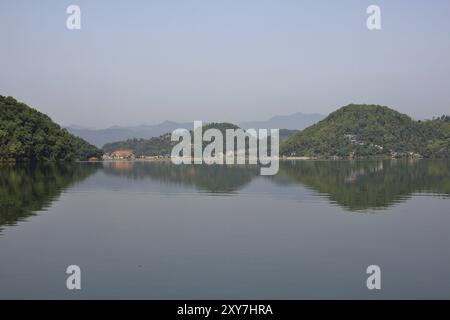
159	146
29	135
437	132
370	130
286	134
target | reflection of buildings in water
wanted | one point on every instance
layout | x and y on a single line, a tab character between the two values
213	178
190	172
357	173
120	165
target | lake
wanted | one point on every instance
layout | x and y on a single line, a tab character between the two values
154	230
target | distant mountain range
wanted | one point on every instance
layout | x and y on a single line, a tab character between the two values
100	137
296	121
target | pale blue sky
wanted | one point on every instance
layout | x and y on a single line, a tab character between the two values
137	62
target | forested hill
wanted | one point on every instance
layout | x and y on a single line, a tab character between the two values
162	145
29	135
371	130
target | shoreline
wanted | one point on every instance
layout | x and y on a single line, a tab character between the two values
281	159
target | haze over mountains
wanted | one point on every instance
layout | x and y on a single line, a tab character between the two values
296	121
100	137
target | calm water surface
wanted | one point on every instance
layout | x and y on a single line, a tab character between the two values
154	230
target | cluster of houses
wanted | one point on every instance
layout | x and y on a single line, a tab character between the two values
410	154
355	140
159	157
119	155
128	154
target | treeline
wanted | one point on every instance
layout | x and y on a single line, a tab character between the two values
149	147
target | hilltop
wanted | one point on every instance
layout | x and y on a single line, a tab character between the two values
371	130
158	146
29	135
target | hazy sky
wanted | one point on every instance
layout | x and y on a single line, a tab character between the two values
136	62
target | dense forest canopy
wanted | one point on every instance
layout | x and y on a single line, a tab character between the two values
371	130
29	135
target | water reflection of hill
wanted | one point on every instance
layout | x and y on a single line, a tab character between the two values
214	178
357	185
361	185
25	189
353	185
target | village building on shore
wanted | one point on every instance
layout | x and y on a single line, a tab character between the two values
127	154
